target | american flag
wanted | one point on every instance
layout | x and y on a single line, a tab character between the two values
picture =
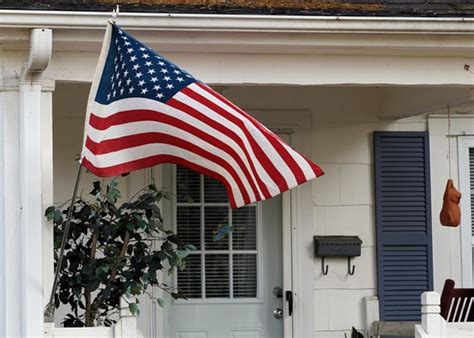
144	110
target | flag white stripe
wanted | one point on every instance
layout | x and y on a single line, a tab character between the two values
144	103
135	128
265	177
137	153
302	162
267	147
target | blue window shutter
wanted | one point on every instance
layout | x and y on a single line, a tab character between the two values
403	222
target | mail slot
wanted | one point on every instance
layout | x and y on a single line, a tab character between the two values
337	246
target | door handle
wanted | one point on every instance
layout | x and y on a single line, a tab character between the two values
289	299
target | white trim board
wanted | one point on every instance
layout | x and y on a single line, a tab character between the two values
464	143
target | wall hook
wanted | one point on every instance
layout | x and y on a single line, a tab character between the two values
324	269
350	270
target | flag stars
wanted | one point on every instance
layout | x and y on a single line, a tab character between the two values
142	49
130	91
154	79
121	91
144	91
133	58
179	79
126	43
139	75
108	97
141	83
148	63
151	71
135	67
157	87
161	63
177	72
128	82
169	86
145	56
130	50
159	95
167	78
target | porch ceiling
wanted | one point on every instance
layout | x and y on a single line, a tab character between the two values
332	103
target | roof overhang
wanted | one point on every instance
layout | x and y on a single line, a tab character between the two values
254	33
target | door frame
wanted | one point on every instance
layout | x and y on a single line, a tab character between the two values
297	229
464	143
297	222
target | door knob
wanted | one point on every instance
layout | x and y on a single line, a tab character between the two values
278	313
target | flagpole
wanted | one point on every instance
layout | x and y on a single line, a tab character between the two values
49	310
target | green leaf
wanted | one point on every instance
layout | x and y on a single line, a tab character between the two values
222	231
182	253
49	213
160	302
58	217
190	247
133	307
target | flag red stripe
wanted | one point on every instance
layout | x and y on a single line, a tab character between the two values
267	164
272	138
230	133
155	160
124	142
102	123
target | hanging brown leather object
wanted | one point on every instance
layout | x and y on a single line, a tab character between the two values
450	214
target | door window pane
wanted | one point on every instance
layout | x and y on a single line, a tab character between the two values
229	257
217	276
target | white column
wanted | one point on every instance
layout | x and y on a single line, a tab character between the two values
47	187
31	166
10	246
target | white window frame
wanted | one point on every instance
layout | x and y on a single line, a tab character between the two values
231	300
467	240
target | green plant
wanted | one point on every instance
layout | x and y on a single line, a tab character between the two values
113	252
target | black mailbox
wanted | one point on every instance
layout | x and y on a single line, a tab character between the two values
337	246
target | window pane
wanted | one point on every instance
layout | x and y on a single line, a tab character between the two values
189	225
245	275
189	279
188	186
244	228
214	191
217	276
216	221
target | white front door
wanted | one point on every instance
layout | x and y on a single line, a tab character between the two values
234	280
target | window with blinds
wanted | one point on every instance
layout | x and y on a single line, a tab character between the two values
225	264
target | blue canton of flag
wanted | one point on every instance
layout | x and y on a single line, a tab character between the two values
134	70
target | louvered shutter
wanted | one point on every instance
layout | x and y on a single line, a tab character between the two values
403	222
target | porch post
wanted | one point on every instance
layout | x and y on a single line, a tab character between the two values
31	165
10	254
